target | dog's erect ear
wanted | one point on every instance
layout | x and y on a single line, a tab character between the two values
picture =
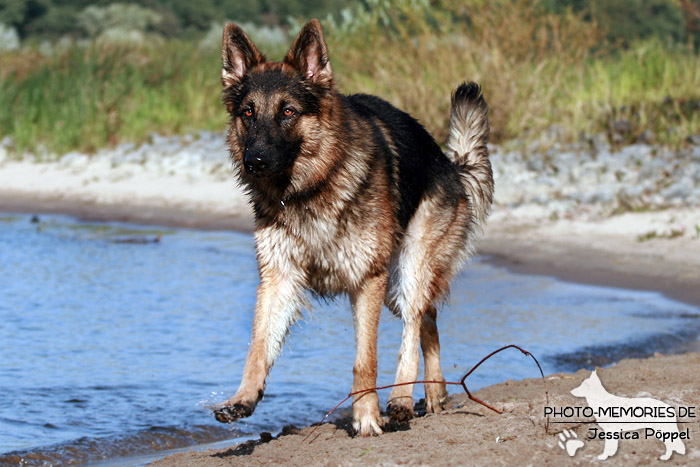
309	54
238	54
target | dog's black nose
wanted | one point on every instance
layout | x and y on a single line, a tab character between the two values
256	161
255	165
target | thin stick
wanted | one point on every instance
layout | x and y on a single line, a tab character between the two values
457	383
527	354
363	391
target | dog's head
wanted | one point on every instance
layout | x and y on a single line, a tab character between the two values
276	108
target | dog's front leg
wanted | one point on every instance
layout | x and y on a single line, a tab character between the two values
279	301
367	307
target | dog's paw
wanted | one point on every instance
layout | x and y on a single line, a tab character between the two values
366	418
237	407
436	398
230	413
434	405
368	425
400	412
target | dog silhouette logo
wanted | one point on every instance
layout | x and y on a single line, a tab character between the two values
622	417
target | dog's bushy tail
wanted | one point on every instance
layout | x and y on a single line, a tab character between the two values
466	147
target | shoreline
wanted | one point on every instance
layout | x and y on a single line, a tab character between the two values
468	433
599	251
613	261
187	217
668	266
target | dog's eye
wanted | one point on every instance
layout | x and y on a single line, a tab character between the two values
288	112
248	112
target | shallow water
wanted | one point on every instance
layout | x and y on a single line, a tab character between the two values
113	345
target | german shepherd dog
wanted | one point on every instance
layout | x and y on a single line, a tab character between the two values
350	195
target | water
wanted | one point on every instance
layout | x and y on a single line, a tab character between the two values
113	344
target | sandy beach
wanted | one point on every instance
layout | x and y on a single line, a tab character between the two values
655	250
469	434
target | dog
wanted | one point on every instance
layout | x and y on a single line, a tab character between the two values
351	196
604	406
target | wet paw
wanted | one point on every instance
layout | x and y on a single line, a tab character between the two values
229	414
241	405
399	413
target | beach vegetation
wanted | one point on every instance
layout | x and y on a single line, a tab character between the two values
556	71
668	235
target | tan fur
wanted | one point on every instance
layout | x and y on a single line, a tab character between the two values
367	306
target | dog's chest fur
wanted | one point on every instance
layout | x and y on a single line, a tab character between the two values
332	251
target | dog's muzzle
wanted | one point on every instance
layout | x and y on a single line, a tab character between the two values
256	163
256	166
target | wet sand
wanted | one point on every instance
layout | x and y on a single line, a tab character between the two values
135	212
594	252
469	434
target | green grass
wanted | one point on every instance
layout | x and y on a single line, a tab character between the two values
538	71
674	233
87	98
652	86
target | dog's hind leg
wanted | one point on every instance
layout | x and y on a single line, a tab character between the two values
431	251
419	328
435	394
367	307
400	406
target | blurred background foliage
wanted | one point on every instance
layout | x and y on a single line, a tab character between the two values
78	74
624	21
177	18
